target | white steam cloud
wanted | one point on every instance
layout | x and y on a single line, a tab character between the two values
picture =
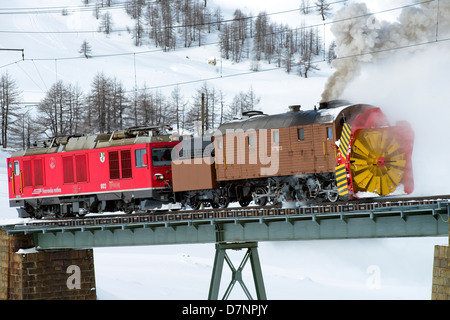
361	38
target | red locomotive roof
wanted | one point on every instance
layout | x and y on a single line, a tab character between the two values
131	136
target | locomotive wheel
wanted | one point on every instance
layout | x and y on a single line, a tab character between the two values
220	200
332	195
331	192
194	203
213	204
35	213
377	162
38	214
96	206
244	202
59	212
223	202
258	197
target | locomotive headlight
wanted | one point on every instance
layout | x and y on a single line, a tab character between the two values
159	176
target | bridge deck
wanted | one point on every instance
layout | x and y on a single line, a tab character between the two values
403	218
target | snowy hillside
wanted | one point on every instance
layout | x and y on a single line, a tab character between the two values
51	51
412	87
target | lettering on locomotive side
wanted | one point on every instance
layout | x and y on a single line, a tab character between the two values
52	190
46	191
114	184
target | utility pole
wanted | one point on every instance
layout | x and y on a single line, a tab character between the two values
203	114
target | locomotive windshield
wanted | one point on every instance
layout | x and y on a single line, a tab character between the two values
161	156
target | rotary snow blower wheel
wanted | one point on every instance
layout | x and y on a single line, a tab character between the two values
377	161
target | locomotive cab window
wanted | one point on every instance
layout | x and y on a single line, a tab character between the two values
251	140
161	156
16	168
329	133
141	158
301	134
276	136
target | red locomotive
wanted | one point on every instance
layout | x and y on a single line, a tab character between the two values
125	170
339	150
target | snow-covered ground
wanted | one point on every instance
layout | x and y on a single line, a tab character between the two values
413	88
341	269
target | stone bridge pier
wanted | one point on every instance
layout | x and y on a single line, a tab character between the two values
28	274
441	272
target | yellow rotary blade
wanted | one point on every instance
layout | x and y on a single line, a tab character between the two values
395	174
387	185
393	146
359	148
363	178
398	160
374	185
377	162
374	141
359	164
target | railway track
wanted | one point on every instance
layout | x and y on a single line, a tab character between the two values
360	205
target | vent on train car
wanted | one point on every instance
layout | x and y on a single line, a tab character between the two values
294	108
332	104
252	113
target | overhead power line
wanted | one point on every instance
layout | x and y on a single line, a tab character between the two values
59	9
9	49
179	26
